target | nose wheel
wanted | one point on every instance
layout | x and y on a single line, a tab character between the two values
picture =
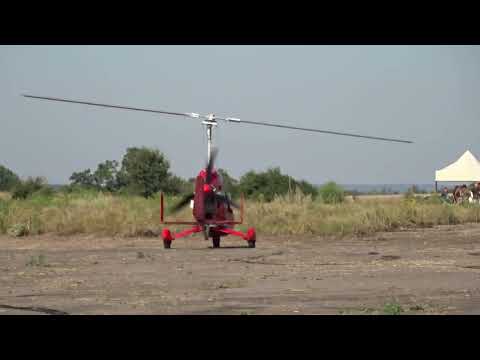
216	241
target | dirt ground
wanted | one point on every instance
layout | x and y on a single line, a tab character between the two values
429	271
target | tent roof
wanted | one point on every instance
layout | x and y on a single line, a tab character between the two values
466	168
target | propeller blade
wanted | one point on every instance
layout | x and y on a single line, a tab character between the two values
238	121
210	164
182	203
226	199
194	115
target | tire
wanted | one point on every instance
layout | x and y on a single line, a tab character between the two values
216	241
166	244
251	243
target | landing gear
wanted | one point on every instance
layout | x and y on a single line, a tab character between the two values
216	241
167	238
251	237
215	234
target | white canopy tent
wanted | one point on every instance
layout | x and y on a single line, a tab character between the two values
465	169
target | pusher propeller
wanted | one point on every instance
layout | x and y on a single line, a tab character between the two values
182	203
210	164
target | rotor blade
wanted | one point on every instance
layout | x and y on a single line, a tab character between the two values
238	121
234	120
182	203
113	106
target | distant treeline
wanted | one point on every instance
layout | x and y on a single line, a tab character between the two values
379	189
145	172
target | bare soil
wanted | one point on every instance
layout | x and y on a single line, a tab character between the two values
426	271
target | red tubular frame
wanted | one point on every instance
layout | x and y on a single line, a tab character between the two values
206	222
249	236
198	227
193	230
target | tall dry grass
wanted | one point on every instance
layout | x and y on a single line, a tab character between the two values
85	213
299	215
102	214
4	195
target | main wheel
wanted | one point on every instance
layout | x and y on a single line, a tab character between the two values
251	243
216	241
167	244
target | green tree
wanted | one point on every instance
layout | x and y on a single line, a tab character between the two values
230	185
176	185
307	188
8	179
253	184
83	178
144	171
105	177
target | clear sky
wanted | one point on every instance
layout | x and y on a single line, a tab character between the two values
427	94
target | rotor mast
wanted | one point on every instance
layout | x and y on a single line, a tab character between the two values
209	123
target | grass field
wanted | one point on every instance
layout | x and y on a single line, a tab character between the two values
103	214
100	254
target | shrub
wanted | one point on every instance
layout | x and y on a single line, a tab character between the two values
175	185
433	199
306	188
271	183
8	179
30	186
45	191
331	193
230	184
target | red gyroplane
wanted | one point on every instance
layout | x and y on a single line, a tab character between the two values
212	206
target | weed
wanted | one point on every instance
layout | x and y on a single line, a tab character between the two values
417	308
247	312
392	309
39	260
18	230
364	311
